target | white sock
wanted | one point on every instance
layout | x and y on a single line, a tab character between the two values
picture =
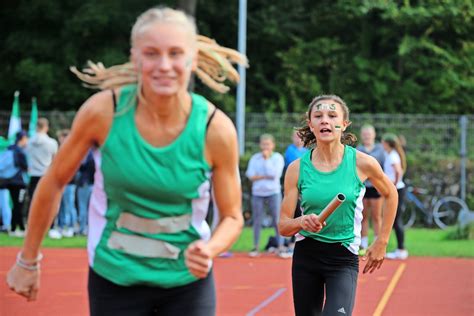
364	242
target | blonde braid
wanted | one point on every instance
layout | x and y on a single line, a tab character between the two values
214	66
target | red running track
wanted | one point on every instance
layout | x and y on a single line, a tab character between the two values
262	286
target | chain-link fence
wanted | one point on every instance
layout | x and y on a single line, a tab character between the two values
58	120
439	135
433	142
436	134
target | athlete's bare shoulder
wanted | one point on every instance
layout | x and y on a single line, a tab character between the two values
293	172
221	128
95	116
221	137
294	166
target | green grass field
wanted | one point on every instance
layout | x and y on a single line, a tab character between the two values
74	242
419	242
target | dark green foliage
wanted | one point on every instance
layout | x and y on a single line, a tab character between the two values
380	56
41	39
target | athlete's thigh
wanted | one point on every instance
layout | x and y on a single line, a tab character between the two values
195	299
307	281
341	286
107	298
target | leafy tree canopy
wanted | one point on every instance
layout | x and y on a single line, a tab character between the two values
380	56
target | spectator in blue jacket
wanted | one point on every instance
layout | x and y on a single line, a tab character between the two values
294	150
17	185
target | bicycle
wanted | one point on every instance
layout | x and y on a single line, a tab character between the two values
443	211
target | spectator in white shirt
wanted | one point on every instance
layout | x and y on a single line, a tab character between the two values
264	170
394	167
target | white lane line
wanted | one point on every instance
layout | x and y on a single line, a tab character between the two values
266	302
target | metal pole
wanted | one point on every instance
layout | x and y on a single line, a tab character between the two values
242	46
463	153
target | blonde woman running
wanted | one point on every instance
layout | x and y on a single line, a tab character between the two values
157	148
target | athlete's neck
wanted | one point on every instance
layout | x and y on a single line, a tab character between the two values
166	108
328	154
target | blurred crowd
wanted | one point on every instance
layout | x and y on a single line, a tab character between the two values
22	165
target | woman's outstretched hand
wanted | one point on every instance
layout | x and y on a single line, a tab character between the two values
375	255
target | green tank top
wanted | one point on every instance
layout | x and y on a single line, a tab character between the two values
156	200
318	188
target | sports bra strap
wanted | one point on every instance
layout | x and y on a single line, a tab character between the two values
210	118
114	98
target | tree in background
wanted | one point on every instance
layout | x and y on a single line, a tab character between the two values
381	56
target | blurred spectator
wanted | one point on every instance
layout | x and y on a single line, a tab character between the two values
6	210
294	150
85	181
264	170
16	185
67	209
41	150
395	167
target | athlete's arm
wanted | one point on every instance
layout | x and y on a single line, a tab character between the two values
90	127
222	155
370	169
288	225
224	158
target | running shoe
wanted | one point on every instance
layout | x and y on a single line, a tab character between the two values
400	254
